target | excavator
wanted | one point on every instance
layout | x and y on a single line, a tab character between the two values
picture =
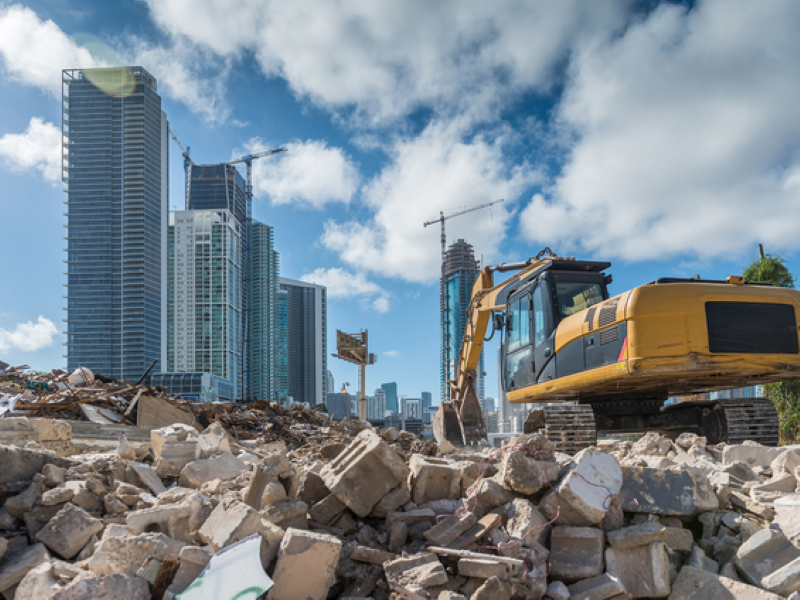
601	364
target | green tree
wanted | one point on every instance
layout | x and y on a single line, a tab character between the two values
785	395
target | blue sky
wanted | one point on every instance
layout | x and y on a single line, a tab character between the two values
663	137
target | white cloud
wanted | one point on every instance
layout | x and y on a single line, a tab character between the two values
387	59
342	283
392	353
308	174
38	147
436	171
35	51
185	73
688	141
28	337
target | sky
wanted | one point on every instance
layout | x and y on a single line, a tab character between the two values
661	136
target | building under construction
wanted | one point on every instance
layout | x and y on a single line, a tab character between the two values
459	271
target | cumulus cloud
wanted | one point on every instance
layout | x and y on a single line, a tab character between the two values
37	148
342	283
436	171
386	59
687	135
392	353
34	51
309	174
186	74
28	337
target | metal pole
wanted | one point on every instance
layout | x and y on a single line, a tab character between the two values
760	252
362	399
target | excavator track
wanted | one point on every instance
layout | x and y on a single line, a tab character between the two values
569	427
751	419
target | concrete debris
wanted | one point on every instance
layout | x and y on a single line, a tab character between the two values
291	503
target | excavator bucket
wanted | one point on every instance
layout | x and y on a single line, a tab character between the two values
460	422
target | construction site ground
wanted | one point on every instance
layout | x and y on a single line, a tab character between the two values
112	489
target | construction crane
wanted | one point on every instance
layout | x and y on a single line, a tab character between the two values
442	218
248	161
187	160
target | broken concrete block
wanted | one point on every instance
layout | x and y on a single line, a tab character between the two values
679	539
765	553
575	553
396	498
700	560
148	476
371	555
696	584
485	525
13	571
232	521
57	495
557	590
364	472
117	586
779	486
215	439
412	517
493	589
657	491
597	588
125	554
274	493
255	489
306	565
312	488
525	520
751	453
449	529
433	479
290	513
40	582
172	434
742	503
327	510
3	546
643	570
53	475
531	467
787	517
69	531
272	536
159	517
415	572
83	496
24	501
21	464
638	535
489	494
594	477
38	517
486	568
219	466
398	533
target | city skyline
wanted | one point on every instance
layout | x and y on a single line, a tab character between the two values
545	105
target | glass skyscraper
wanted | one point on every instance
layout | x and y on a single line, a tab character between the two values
115	149
458	276
390	389
302	347
264	298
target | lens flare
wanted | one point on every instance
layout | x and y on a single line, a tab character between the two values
110	74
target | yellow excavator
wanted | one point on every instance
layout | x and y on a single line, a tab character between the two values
602	364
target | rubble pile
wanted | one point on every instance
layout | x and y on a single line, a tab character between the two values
380	514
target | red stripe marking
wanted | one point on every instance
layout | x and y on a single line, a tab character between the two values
624	348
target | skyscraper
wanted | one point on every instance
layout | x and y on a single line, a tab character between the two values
303	340
263	326
391	397
459	272
204	294
282	345
116	153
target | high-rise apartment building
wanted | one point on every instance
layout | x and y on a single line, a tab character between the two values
116	152
282	345
376	406
412	408
302	348
204	295
262	336
459	272
390	389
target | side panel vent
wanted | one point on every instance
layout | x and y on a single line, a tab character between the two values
608	314
590	317
608	336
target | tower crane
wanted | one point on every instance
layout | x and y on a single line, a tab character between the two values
187	160
442	218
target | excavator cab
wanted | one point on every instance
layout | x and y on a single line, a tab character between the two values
533	312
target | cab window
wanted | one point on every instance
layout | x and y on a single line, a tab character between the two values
575	296
519	324
538	315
